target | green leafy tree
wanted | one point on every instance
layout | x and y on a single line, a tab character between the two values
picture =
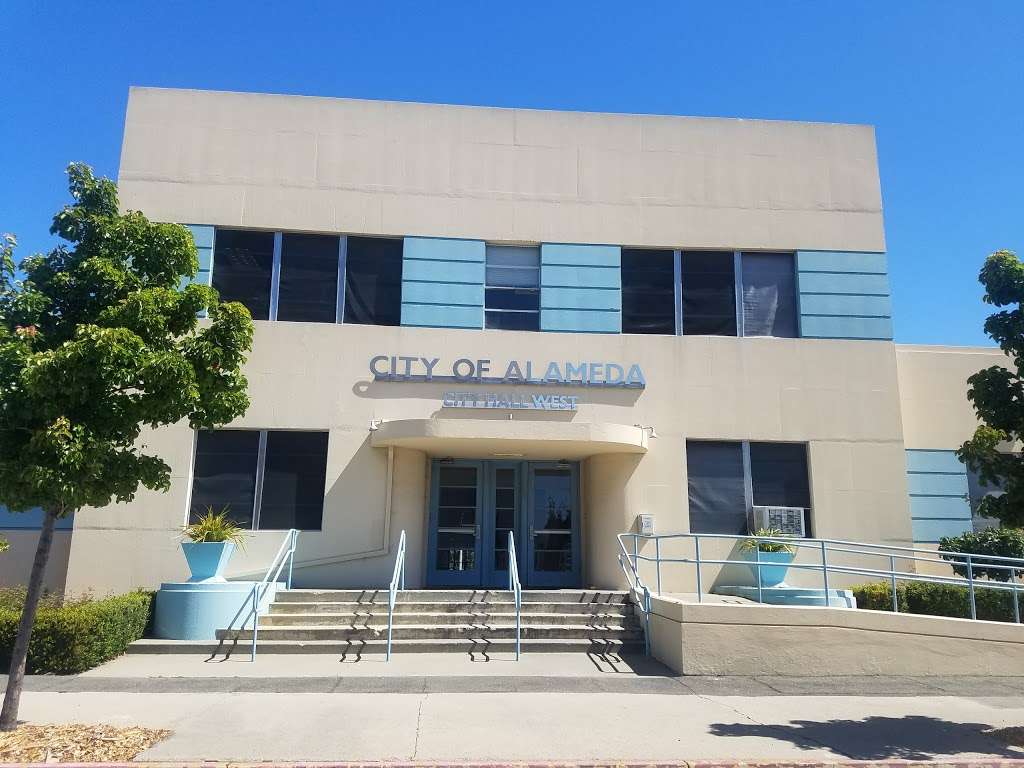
997	394
97	341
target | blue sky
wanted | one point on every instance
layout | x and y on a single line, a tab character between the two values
942	82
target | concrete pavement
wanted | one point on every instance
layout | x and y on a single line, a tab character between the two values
547	707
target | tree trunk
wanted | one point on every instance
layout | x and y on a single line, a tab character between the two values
9	715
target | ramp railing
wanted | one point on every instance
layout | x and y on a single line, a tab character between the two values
285	554
966	566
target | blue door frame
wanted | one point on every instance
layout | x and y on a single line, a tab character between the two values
465	548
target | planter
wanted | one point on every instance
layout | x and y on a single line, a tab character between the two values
773	567
207	560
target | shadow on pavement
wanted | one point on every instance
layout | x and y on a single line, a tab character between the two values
914	737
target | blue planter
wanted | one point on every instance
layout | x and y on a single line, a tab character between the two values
207	560
773	567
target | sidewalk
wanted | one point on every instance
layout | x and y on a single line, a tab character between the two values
545	708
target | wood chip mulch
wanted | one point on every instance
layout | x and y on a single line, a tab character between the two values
76	743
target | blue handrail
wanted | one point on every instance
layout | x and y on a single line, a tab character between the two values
823	548
397	583
641	594
286	553
515	587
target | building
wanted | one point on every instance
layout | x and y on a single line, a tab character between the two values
471	321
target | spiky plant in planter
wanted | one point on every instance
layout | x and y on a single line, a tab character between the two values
211	540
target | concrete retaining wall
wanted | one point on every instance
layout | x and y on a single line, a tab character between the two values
717	639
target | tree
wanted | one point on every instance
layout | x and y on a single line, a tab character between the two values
97	340
997	394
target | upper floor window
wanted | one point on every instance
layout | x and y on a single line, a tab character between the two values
243	266
373	281
768	283
266	480
512	291
309	278
726	479
709	293
648	294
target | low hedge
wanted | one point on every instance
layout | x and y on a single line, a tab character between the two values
77	635
932	599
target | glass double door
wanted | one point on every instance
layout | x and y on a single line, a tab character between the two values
475	504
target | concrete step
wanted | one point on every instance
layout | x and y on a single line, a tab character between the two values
372	647
502	608
448	632
574	596
477	618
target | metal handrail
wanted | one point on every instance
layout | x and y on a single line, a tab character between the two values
825	547
641	594
285	553
515	587
397	583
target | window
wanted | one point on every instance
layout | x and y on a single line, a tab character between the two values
709	293
309	278
512	295
373	281
769	294
287	491
648	294
243	264
976	493
726	478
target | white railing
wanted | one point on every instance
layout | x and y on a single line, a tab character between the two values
824	550
285	554
397	583
515	587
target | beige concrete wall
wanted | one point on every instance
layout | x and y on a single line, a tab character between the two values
377	167
933	386
839	396
719	639
16	562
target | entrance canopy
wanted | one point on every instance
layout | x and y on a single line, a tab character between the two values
491	438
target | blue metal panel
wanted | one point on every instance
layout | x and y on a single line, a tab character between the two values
940	507
812	326
581	298
31	520
930	531
934	461
845	305
443	271
579	277
580	321
841	261
202	234
450	294
441	316
934	484
581	255
843	282
443	249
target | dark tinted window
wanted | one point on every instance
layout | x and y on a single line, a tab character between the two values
309	278
769	294
224	475
243	263
512	295
294	477
709	293
648	291
715	483
373	281
778	473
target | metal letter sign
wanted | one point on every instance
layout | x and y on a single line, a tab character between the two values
466	370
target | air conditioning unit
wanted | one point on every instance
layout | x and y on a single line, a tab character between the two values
788	520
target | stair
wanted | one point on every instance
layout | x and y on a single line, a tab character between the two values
356	621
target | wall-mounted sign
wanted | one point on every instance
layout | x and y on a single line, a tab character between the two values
495	400
482	371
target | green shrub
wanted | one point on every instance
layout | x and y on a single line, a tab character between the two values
77	635
1001	542
932	599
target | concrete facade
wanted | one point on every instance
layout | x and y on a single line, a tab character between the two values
296	164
